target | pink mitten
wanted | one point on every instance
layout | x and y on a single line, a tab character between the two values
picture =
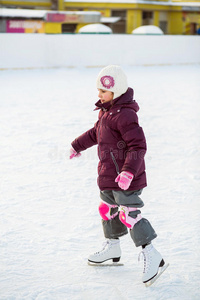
124	180
73	153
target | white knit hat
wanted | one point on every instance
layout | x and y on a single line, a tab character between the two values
113	79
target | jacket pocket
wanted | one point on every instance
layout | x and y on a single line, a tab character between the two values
115	162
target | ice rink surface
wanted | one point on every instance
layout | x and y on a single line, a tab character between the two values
49	219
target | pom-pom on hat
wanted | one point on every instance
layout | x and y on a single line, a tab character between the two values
113	79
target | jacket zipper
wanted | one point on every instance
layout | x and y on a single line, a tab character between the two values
115	162
99	145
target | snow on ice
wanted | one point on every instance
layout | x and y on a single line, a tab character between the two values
49	204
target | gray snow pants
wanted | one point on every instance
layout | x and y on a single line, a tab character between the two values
142	232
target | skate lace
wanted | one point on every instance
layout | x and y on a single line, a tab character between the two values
146	258
104	246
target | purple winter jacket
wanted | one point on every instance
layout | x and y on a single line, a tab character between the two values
121	142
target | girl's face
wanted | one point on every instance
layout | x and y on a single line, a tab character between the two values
105	96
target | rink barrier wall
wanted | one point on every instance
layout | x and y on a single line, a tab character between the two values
19	51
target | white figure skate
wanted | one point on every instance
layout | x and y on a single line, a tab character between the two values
154	265
111	251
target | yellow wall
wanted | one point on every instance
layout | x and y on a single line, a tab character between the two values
156	18
57	27
28	3
97	5
175	22
134	20
130	20
61	4
53	28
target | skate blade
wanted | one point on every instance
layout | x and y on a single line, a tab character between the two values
103	264
160	271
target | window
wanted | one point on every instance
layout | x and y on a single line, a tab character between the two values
120	26
147	18
119	13
68	28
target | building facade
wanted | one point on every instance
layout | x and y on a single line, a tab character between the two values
173	17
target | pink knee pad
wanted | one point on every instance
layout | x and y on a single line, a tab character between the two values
126	219
105	210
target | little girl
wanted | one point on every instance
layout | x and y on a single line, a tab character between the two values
121	170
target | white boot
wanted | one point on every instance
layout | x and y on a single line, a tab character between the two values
111	250
152	261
